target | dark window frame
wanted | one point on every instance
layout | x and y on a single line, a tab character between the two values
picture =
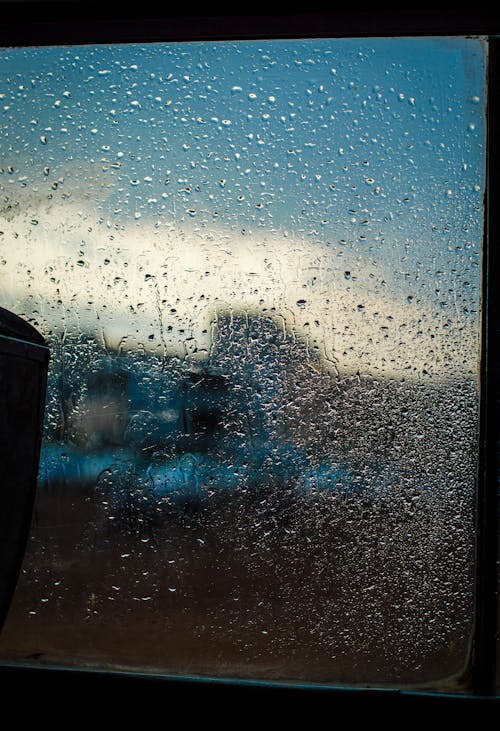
72	23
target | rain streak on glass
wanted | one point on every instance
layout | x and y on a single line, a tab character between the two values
257	265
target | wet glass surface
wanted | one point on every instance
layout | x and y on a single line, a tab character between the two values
258	267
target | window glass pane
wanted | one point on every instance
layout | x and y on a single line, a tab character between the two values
258	266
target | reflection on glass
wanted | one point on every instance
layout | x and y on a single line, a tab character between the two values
258	268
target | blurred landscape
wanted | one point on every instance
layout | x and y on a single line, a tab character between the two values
252	517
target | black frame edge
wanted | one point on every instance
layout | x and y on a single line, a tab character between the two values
119	693
485	641
50	23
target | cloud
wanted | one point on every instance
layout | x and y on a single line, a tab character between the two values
161	287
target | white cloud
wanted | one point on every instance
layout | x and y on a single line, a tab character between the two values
65	268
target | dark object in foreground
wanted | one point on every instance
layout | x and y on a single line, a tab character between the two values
24	360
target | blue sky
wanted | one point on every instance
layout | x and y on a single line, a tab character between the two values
374	147
277	134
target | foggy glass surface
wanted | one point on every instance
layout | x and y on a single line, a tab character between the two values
258	267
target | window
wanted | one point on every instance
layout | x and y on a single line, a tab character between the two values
258	264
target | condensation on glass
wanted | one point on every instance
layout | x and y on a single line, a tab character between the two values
258	268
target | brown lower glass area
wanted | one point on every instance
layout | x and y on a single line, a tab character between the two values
270	586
